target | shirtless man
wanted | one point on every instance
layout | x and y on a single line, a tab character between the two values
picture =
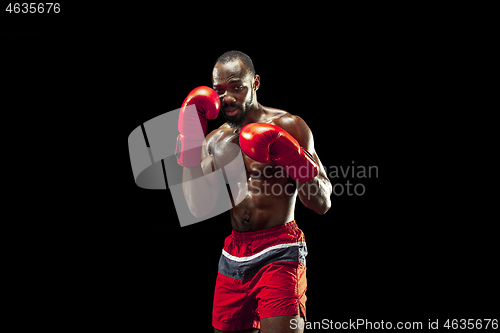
261	282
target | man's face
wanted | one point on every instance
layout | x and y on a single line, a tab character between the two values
235	89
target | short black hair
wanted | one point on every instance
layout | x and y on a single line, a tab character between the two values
232	55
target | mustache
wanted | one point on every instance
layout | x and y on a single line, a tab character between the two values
232	105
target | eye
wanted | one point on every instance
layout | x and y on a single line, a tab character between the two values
239	87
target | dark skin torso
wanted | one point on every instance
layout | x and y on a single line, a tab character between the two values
265	194
264	206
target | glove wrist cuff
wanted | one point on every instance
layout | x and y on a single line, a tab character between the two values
188	152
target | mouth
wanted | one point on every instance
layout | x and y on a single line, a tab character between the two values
231	111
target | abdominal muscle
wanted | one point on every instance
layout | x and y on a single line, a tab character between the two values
266	197
269	203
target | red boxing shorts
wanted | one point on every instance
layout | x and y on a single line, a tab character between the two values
261	274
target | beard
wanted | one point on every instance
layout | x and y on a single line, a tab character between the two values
237	120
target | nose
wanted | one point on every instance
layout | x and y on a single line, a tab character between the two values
228	99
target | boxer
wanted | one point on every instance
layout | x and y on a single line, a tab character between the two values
261	281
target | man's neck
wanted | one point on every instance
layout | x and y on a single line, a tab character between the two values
254	115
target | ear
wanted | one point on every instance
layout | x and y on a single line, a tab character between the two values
256	82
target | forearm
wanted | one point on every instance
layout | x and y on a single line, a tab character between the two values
315	194
200	196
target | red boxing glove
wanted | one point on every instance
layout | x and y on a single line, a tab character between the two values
262	142
201	104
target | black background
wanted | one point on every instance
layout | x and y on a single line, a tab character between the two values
365	84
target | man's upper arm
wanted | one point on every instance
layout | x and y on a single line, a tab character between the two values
298	128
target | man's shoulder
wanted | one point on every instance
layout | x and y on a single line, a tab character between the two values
273	113
285	119
294	125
